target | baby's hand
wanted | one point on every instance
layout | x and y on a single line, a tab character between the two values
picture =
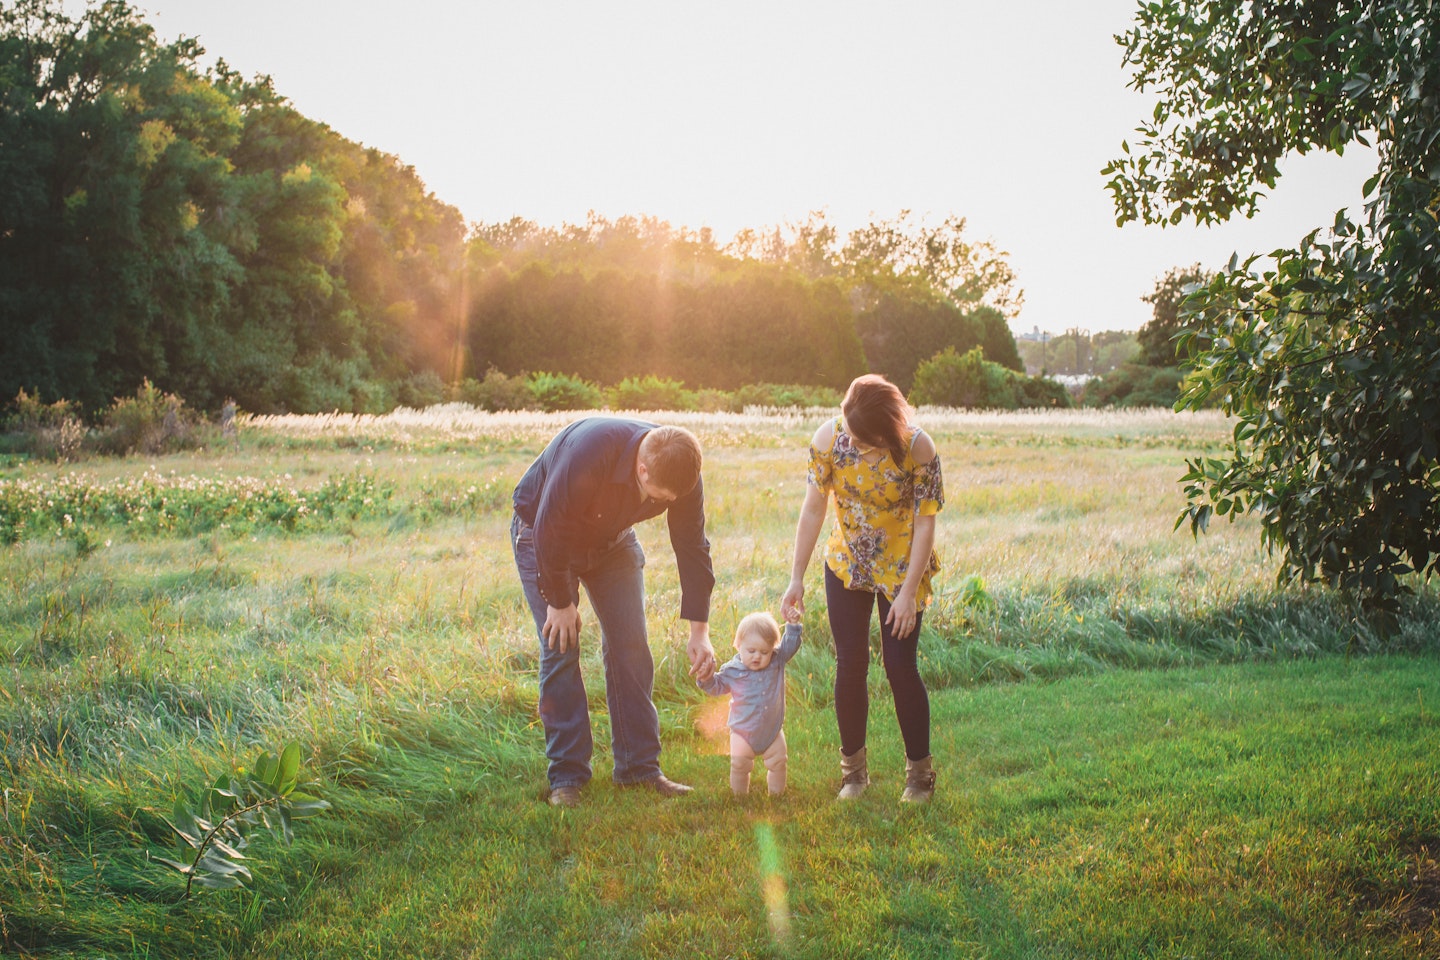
792	615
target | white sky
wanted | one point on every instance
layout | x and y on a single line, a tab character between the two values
752	114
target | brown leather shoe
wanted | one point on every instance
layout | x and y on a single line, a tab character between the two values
664	786
565	797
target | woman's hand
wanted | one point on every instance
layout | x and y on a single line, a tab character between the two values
793	603
903	614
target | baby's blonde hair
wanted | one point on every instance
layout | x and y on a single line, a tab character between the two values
762	625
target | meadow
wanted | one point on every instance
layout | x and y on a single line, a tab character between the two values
1146	747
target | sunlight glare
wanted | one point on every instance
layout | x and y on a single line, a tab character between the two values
712	724
772	883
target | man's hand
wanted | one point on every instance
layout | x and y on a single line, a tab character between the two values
700	652
562	627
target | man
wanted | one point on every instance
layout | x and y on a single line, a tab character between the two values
574	510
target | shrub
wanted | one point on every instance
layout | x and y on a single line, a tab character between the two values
969	380
786	395
650	393
1134	385
421	390
149	422
951	379
1043	392
716	401
50	431
558	391
496	392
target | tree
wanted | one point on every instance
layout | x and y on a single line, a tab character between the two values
1329	356
1157	337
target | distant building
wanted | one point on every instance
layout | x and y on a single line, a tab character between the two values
1035	336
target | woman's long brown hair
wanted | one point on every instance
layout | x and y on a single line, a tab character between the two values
876	414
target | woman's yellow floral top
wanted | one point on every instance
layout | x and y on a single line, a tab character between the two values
875	509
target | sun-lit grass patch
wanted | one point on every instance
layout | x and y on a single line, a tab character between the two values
1090	668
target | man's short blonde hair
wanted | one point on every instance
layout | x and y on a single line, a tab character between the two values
672	455
761	625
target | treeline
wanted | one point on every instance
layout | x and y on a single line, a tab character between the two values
636	297
193	228
186	226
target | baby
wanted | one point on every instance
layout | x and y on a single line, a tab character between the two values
755	680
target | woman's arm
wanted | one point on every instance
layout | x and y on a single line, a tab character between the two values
807	534
903	612
812	518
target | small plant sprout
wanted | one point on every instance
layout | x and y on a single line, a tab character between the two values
212	833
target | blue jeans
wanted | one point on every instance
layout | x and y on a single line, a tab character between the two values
614	579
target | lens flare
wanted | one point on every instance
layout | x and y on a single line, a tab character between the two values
772	883
712	722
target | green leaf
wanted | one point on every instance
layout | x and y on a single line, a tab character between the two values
212	881
184	868
265	766
289	767
214	863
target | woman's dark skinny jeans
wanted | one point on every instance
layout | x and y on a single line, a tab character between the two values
850	624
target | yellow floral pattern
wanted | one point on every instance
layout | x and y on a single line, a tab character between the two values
876	504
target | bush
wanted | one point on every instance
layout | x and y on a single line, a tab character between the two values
716	401
969	380
149	422
496	392
421	390
1134	385
951	379
49	431
650	393
786	395
1036	392
558	391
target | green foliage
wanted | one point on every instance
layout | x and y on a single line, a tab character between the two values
969	380
785	395
191	228
557	391
150	422
902	331
421	390
1134	385
650	393
50	431
1329	357
609	326
184	506
1077	352
1171	316
212	832
496	392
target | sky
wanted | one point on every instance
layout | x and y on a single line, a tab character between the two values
756	114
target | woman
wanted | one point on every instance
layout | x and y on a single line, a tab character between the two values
884	474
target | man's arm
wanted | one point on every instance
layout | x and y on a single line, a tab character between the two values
571	483
686	520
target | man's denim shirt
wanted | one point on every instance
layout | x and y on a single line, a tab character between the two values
581	495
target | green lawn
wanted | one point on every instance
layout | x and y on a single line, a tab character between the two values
1146	748
1237	811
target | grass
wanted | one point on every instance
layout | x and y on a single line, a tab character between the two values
1146	748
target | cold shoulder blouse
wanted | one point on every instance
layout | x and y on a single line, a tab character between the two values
875	509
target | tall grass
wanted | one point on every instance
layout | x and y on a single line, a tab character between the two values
389	637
